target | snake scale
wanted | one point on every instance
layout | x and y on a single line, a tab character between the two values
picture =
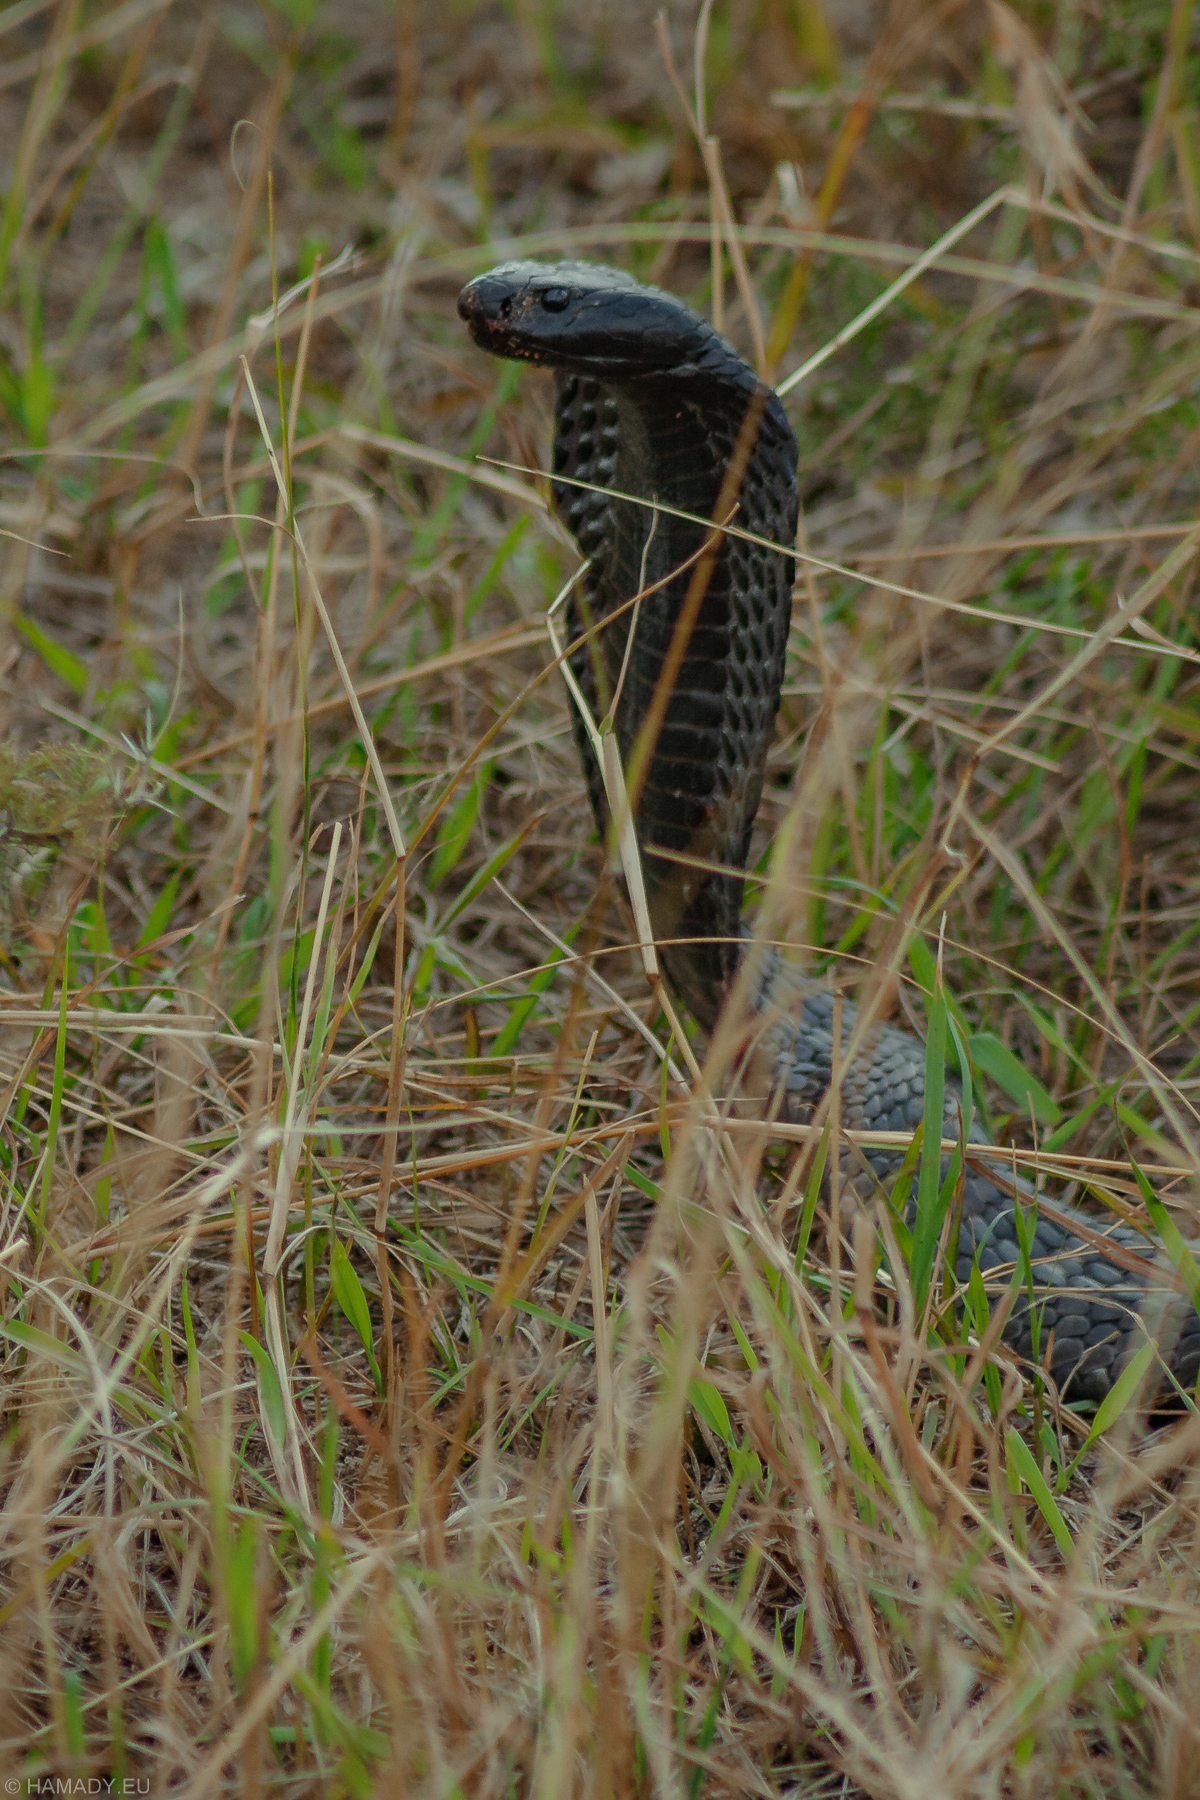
653	406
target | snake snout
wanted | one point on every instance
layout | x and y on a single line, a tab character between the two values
473	308
494	311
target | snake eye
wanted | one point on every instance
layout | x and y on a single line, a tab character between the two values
555	299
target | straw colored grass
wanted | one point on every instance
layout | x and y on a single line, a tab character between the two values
416	1377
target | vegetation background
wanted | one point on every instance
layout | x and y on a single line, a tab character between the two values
411	1383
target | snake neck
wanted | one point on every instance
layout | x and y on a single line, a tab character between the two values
709	639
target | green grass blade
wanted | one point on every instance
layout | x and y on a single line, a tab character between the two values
349	1294
930	1210
269	1389
455	828
71	669
56	1094
1021	1458
709	1402
1012	1077
517	1019
159	916
490	870
1113	1404
1172	1237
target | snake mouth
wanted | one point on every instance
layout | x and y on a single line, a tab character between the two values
499	320
485	315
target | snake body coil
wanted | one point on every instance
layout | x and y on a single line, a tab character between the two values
652	404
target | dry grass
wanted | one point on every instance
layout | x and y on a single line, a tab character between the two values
412	1382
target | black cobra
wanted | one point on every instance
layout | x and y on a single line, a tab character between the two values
652	404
